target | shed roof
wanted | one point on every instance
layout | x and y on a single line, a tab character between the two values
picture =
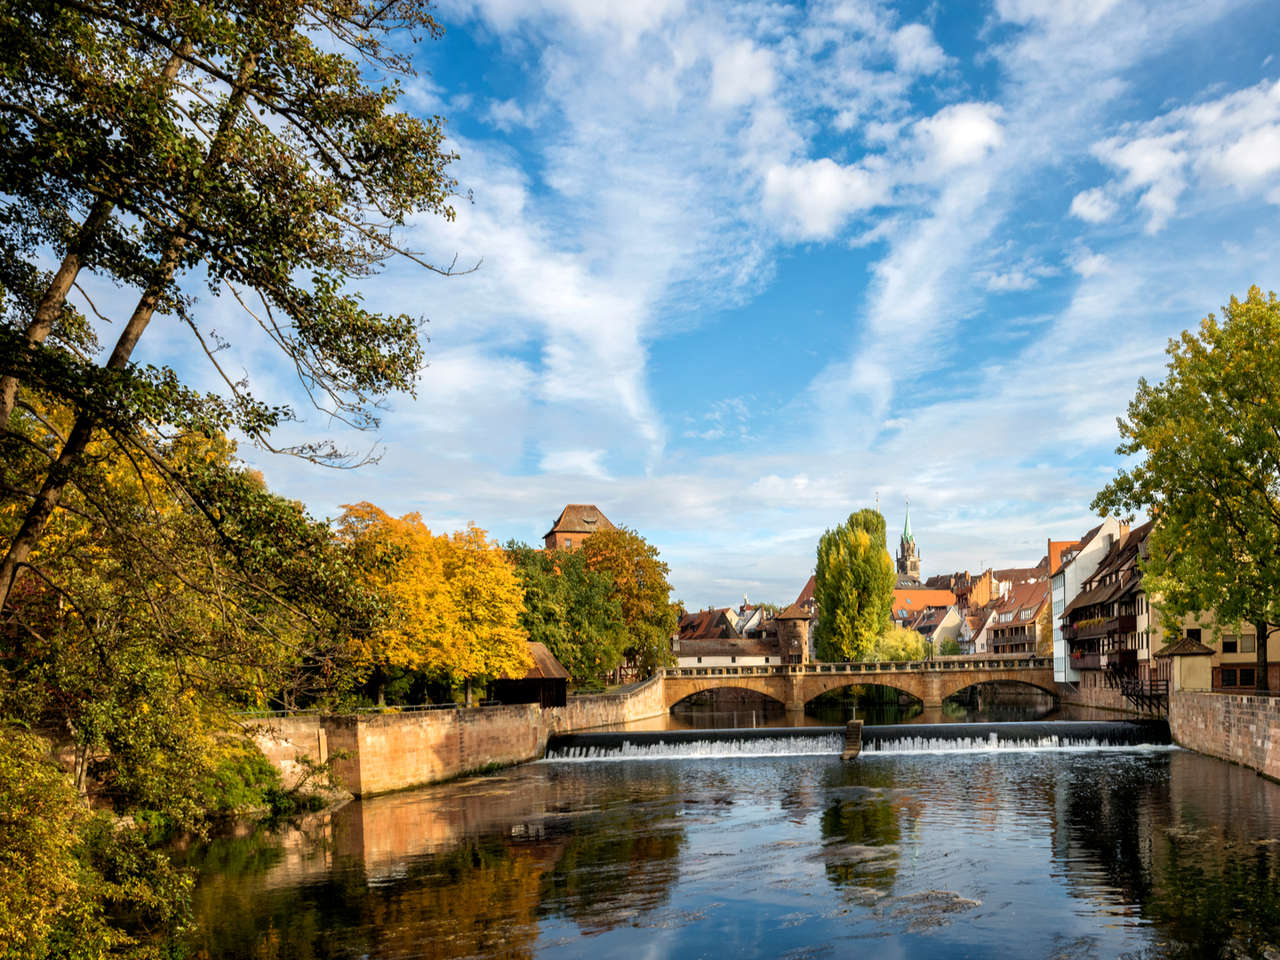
1186	647
545	665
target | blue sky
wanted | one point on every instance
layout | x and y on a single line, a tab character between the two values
747	265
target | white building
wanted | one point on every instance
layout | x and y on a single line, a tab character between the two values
1070	564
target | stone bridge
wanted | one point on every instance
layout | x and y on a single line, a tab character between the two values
796	684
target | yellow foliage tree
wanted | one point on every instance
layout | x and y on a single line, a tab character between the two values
897	644
453	603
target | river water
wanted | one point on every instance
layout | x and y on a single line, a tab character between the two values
1089	852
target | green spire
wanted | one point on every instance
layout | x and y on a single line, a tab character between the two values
906	530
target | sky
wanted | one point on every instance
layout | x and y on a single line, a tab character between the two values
748	267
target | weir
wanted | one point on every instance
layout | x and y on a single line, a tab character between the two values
890	739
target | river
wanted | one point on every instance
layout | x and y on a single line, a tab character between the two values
1039	852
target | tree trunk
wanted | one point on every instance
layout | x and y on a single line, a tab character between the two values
1262	682
55	297
55	483
380	685
468	691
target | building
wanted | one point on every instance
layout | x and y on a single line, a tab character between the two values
709	638
910	602
1076	562
709	624
1107	626
576	522
936	624
908	560
545	683
1015	621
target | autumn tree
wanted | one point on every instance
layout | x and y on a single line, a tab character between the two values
452	602
571	609
640	586
1209	439
853	587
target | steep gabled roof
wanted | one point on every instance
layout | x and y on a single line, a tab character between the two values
580	518
545	665
1186	647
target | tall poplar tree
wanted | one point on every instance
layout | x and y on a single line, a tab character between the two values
1209	438
853	587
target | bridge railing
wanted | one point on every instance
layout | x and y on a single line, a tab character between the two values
871	667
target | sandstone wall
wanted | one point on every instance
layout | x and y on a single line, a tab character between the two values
392	751
1104	698
1243	729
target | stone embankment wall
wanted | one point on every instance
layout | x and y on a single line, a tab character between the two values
392	751
1243	729
1103	698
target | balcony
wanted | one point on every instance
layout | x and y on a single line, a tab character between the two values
1086	661
1120	658
1087	629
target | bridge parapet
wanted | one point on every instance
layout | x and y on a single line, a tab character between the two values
865	667
794	684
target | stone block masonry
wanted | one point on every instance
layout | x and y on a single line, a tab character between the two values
394	751
1244	729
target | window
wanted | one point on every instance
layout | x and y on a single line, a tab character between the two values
733	659
1247	678
1228	678
1194	634
1025	614
1057	607
699	659
1246	643
568	543
1006	617
1228	643
766	659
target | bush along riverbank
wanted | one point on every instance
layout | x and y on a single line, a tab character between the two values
87	872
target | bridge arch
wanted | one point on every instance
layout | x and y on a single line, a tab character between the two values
768	695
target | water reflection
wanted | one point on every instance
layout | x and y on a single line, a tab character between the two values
1153	853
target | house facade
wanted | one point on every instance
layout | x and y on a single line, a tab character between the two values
1076	562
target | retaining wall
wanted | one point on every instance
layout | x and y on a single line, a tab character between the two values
1236	727
392	751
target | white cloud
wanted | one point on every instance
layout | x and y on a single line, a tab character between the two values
1229	142
740	74
588	463
815	198
962	134
915	50
507	115
1093	206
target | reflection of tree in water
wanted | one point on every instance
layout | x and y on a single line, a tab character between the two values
621	865
1193	869
861	829
483	897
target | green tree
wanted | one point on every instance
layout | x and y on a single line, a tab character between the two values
240	141
949	647
853	587
1209	437
571	609
640	586
897	644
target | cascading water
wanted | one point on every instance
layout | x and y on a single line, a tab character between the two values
900	739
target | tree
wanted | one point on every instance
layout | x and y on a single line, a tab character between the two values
147	141
1210	476
640	586
571	609
452	603
949	647
898	644
853	587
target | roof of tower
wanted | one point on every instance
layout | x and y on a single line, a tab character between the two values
906	530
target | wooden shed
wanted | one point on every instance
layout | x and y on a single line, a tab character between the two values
546	683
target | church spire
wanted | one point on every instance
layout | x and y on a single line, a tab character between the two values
906	530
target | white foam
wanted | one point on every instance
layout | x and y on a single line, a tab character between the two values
834	745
